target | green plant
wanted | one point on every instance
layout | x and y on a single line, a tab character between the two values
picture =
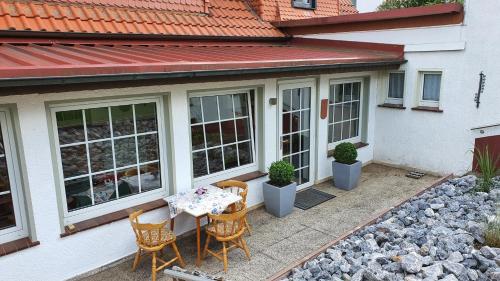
345	153
281	173
398	4
487	165
492	233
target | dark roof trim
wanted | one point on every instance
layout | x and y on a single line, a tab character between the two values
36	81
435	10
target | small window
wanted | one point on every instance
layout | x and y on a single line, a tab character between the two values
430	88
344	113
108	154
396	87
222	133
305	4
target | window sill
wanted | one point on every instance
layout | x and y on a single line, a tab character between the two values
428	108
112	217
16	246
358	145
246	177
392	105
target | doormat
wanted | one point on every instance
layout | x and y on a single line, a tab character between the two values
311	197
415	175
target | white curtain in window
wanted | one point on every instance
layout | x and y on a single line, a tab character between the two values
396	85
432	86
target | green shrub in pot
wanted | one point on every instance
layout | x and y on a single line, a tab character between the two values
279	191
346	170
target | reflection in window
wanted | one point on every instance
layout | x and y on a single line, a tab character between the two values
221	135
344	111
108	153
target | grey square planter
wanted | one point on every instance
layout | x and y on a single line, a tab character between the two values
279	200
346	176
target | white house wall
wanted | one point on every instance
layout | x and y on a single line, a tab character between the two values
59	258
440	142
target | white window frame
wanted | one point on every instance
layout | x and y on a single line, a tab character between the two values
392	100
302	5
428	103
120	203
361	100
21	229
252	167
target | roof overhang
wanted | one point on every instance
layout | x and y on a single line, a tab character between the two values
54	62
435	15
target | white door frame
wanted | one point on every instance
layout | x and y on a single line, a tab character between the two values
293	84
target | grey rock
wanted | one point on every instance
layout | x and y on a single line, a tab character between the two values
433	271
449	277
455	257
472	274
488	252
454	268
411	263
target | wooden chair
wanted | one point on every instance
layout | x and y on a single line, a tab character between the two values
239	188
228	229
151	239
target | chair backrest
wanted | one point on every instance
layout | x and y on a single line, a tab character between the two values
147	234
237	187
228	225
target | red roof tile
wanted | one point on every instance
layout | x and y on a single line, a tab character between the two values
41	58
157	17
282	10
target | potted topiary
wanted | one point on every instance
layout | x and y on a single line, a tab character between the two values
279	191
345	168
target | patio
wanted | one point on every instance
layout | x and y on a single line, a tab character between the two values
275	243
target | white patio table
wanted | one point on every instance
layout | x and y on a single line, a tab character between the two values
213	201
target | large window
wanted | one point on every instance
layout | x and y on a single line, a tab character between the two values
396	87
108	152
430	88
221	132
12	215
344	112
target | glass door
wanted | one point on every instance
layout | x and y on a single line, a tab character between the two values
295	130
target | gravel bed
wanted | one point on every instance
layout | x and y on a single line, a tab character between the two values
435	236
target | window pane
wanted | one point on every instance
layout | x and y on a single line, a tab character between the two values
295	99
240	105
304	175
243	129
330	113
123	120
305	96
101	156
148	148
331	95
305	122
296	143
355	110
296	161
74	160
356	91
228	132
304	141
145	115
7	217
215	160
210	109
396	85
4	175
128	181
346	111
104	187
337	112
337	132
354	128
245	151
212	133
226	107
197	137
125	153
347	92
78	193
97	120
304	159
230	156
295	121
287	100
286	142
432	85
339	90
199	164
150	177
330	133
345	130
195	109
70	126
286	123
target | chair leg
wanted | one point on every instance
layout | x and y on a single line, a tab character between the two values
176	251
224	254
205	249
248	227
136	259
153	267
245	247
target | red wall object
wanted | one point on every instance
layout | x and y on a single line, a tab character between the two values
493	144
324	108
